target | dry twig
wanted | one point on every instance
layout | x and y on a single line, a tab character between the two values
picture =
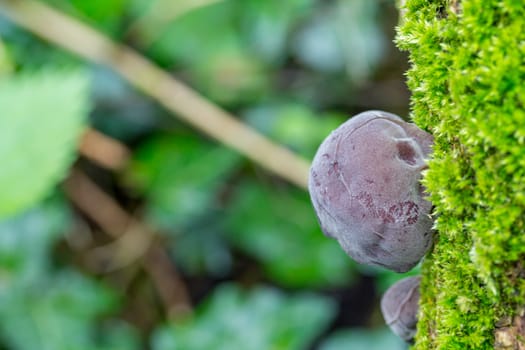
134	242
104	150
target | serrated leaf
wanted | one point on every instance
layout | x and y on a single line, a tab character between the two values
41	117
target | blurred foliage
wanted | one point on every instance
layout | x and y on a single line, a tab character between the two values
364	339
6	62
280	230
261	319
47	307
293	70
180	175
294	125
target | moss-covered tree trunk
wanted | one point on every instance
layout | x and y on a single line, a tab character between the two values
468	84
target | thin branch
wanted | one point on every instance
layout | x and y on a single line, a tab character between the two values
182	101
134	242
104	150
168	282
96	204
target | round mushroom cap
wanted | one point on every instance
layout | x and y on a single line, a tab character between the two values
365	187
400	305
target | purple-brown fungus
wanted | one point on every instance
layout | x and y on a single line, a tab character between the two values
400	306
365	187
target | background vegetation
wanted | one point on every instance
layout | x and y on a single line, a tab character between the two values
122	227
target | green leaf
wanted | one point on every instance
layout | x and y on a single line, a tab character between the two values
207	43
41	117
182	178
56	315
44	308
364	339
197	35
266	25
180	175
294	125
260	319
332	39
27	238
281	231
6	61
105	15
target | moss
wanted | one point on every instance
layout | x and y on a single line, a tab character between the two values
467	82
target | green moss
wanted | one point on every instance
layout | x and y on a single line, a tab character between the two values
467	80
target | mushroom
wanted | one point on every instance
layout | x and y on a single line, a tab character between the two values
365	187
400	305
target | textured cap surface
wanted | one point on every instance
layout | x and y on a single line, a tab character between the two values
365	187
400	305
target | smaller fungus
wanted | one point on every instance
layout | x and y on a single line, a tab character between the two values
400	305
